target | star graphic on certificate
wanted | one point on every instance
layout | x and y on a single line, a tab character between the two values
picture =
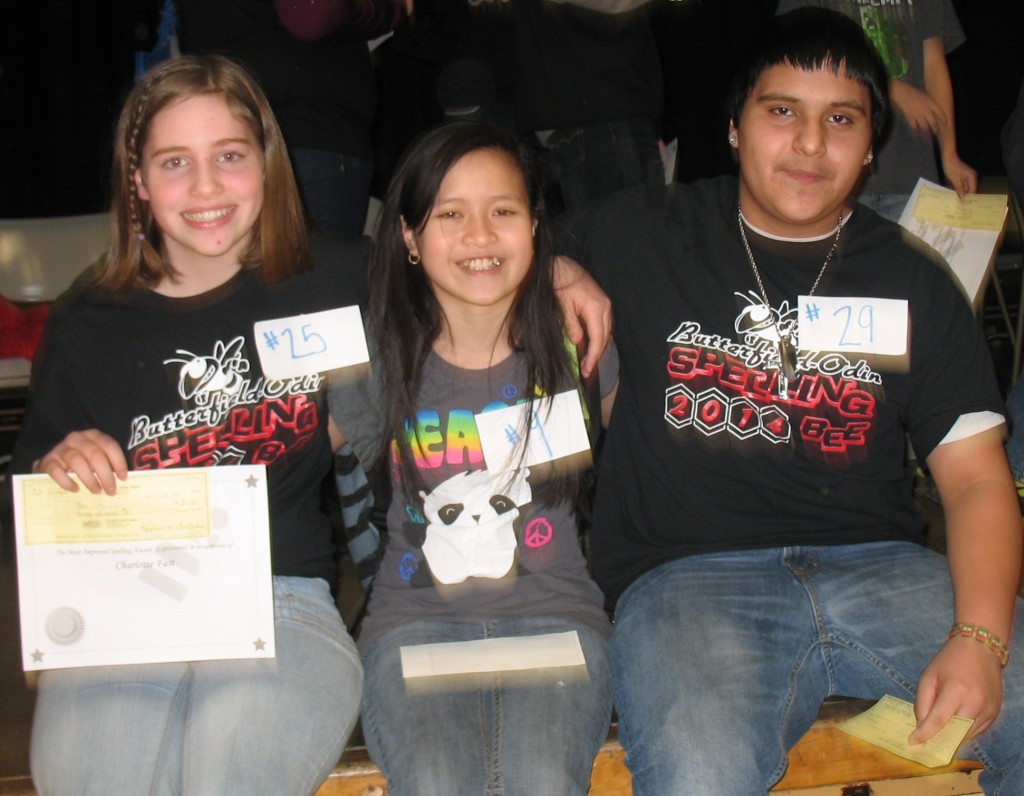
37	656
252	481
260	645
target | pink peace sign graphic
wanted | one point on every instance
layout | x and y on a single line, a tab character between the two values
538	532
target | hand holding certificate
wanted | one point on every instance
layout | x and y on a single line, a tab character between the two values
175	566
964	231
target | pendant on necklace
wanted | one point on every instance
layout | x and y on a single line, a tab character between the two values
787	356
787	351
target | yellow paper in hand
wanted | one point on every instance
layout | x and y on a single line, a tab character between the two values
974	211
151	505
888	724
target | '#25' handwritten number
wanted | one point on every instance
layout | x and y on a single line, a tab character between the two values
310	338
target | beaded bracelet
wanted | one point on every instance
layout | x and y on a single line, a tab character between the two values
985	636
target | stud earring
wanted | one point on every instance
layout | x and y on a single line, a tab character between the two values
732	140
869	158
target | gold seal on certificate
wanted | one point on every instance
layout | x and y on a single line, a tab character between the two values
65	625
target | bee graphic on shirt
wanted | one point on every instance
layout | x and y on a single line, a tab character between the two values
764	322
203	377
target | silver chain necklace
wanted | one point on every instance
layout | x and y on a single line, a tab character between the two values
787	351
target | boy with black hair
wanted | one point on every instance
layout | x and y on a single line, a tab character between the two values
755	528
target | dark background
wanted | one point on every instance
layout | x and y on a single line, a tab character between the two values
66	64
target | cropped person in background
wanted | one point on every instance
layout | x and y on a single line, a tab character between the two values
1012	140
589	91
912	39
1013	159
314	64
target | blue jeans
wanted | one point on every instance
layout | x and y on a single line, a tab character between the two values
335	189
495	734
208	727
721	661
594	160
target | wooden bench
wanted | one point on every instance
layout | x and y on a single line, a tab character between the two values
825	762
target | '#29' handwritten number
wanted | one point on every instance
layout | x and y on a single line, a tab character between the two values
865	321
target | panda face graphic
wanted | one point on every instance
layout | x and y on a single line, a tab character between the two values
471	524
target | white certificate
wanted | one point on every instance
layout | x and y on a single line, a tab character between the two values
174	567
964	231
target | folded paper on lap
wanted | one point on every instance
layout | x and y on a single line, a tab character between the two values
516	653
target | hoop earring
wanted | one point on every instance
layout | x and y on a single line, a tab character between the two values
414	259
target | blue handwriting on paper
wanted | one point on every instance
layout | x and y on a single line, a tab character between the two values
512	436
310	344
862	324
854	331
538	426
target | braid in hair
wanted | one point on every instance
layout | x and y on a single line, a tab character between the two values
134	149
141	244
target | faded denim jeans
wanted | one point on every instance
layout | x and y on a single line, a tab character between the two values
208	727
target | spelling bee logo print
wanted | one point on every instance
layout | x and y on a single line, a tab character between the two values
729	385
231	413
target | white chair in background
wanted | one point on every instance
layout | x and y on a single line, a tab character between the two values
40	257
